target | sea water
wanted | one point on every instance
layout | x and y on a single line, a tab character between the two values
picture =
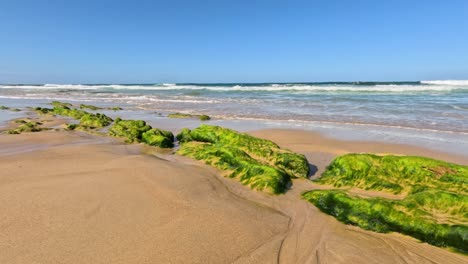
420	112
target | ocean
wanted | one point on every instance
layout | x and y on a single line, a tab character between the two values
437	108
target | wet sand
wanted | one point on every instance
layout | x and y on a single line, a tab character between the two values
70	197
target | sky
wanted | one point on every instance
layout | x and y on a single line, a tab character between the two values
82	41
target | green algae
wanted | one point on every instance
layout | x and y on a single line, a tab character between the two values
396	174
2	107
139	131
26	126
115	108
90	107
435	217
182	115
44	111
86	120
158	137
435	209
93	121
258	163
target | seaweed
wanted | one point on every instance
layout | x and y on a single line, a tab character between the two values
139	131
182	115
434	210
258	163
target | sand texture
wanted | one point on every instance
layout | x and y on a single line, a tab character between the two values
70	197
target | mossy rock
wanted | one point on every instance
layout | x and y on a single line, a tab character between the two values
2	107
258	163
90	107
44	111
92	121
87	120
293	164
396	174
436	217
158	137
26	126
130	130
434	210
115	108
182	115
139	131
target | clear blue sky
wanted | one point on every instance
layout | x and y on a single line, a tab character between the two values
85	41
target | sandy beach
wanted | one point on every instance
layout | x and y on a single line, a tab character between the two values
73	197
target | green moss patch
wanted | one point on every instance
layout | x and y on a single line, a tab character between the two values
2	107
258	163
396	174
86	120
139	131
434	211
26	126
435	217
90	107
181	115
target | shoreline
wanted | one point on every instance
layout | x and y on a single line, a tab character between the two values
441	140
281	228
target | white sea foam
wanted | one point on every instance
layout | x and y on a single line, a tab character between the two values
447	82
395	88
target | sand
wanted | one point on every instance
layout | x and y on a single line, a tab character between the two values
70	197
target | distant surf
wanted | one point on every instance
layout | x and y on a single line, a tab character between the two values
438	105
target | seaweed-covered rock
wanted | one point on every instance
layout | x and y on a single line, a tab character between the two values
435	217
131	130
434	209
115	108
90	107
159	138
92	121
139	131
396	174
44	111
182	115
26	126
87	120
2	107
294	164
258	163
184	135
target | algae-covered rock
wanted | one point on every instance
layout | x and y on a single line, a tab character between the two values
397	174
184	135
434	210
61	104
139	131
90	107
294	164
182	115
87	120
44	111
239	165
26	126
92	121
159	138
2	107
436	217
204	117
115	108
258	163
131	130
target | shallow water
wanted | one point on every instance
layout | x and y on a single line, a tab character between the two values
431	114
